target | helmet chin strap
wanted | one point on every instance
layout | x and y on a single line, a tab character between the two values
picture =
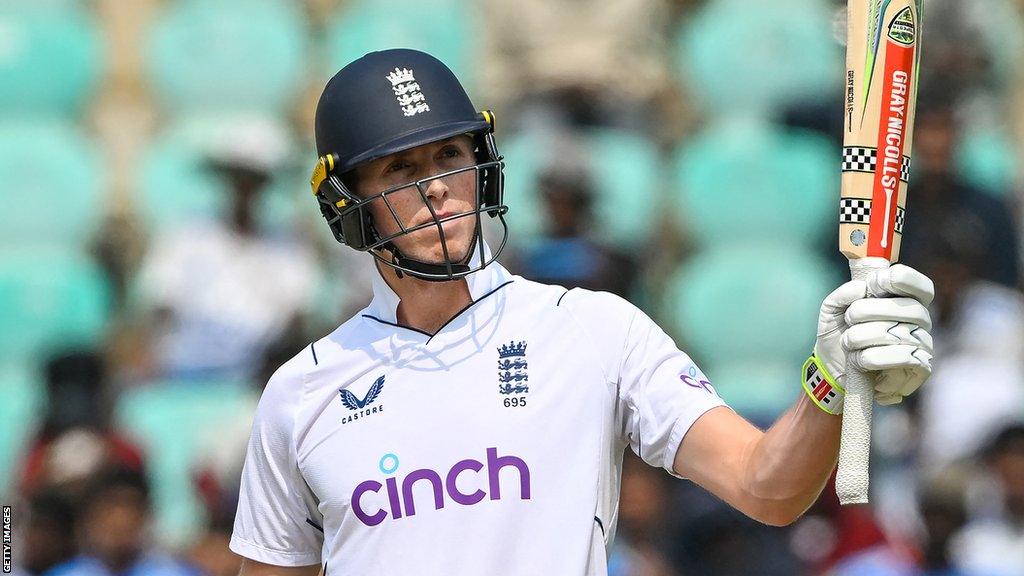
422	270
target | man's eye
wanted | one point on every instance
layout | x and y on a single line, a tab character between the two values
451	152
397	166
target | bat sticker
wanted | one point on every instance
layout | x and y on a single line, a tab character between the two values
902	28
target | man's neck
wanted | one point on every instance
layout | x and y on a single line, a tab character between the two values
425	305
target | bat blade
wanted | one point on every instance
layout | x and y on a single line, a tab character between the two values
882	63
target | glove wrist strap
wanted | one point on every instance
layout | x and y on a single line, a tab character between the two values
821	387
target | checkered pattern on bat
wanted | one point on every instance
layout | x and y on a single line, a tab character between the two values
854	210
858	211
860	159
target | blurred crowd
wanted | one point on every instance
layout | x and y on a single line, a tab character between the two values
164	255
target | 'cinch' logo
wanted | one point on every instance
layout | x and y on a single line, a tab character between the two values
401	502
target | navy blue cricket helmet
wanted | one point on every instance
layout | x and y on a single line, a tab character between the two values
384	103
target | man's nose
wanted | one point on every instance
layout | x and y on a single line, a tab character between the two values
437	188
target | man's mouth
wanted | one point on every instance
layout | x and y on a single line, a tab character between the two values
430	219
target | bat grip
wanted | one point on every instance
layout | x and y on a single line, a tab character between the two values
855	441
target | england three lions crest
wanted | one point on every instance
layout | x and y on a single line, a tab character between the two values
512	376
408	92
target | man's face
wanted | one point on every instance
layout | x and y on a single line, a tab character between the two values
935	137
1009	470
115	527
448	196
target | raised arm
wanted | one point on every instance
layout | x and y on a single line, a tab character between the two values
771	476
774	476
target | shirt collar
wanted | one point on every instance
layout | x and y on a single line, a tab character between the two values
384	305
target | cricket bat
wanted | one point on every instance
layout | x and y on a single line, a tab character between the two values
882	62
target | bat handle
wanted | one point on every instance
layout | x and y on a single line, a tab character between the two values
855	441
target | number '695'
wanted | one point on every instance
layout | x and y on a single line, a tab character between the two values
515	402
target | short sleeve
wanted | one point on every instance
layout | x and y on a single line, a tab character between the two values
660	391
277	521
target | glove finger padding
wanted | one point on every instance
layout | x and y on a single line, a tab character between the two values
901	381
904	309
879	333
888	399
901	280
889	357
898	370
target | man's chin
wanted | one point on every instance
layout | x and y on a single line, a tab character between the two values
454	256
435	255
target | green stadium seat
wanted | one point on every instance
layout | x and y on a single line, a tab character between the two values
1003	38
624	169
749	58
50	59
225	56
750	182
627	174
989	159
173	422
748	303
443	28
53	183
759	391
49	297
22	393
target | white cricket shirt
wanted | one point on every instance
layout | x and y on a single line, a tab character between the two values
492	447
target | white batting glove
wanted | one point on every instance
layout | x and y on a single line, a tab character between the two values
882	324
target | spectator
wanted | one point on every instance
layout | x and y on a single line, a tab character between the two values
979	339
642	535
943	515
220	292
210	553
114	532
49	532
993	544
847	540
570	253
966	241
942	201
709	537
556	62
76	438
